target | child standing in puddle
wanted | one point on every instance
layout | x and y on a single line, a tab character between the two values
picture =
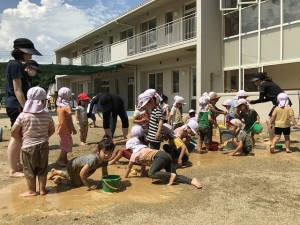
81	117
32	129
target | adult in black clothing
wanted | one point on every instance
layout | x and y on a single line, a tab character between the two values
268	91
111	106
17	84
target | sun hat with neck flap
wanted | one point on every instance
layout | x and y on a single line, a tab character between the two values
34	102
26	46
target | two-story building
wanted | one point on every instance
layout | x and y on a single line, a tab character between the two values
187	47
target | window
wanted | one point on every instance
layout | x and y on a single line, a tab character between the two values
169	22
250	19
231	24
104	86
126	34
291	10
270	13
231	81
99	44
148	36
156	82
194	80
189	22
228	4
175	81
247	1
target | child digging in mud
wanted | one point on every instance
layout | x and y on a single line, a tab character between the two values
32	129
157	160
81	167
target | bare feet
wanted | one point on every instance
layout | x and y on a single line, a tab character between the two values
288	151
43	192
196	183
82	143
16	174
28	194
172	178
272	150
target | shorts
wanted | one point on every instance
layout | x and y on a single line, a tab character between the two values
125	153
13	114
205	134
285	131
35	160
65	142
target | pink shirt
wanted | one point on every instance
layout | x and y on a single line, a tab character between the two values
35	127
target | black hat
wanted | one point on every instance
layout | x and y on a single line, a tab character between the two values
33	64
258	76
26	46
105	103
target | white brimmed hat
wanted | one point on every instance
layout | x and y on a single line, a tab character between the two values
227	102
135	145
241	101
34	103
283	99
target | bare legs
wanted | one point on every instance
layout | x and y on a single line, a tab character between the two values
63	158
13	153
271	131
276	139
31	183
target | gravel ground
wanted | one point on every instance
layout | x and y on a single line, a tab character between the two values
260	189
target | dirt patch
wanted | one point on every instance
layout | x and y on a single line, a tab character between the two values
260	189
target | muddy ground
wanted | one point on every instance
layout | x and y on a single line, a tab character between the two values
260	189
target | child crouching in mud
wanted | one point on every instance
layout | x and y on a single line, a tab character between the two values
241	139
157	160
81	167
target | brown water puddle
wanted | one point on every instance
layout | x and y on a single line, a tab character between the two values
62	197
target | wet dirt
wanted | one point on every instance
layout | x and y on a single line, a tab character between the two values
257	189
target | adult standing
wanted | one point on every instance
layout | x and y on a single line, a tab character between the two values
268	91
17	85
111	106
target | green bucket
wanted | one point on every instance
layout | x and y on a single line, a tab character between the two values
256	128
111	183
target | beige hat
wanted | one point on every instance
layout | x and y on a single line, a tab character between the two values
241	101
236	122
213	95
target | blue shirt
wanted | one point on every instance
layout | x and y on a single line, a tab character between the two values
15	70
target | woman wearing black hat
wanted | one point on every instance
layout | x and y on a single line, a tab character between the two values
17	85
111	106
268	91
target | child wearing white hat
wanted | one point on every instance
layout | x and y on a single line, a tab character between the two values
175	115
281	119
32	130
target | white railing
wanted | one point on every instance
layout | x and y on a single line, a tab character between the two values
170	33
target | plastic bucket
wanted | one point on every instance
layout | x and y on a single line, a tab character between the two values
214	146
256	128
111	183
278	146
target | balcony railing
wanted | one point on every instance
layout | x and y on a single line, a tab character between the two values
170	33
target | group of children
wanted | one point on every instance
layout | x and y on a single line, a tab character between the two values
154	123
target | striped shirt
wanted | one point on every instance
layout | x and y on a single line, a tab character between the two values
155	117
35	127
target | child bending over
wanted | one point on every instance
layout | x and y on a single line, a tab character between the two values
157	160
32	129
80	168
241	139
247	116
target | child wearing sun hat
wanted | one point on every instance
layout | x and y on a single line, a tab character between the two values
281	119
81	116
65	125
32	130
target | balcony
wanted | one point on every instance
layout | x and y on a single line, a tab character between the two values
167	34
